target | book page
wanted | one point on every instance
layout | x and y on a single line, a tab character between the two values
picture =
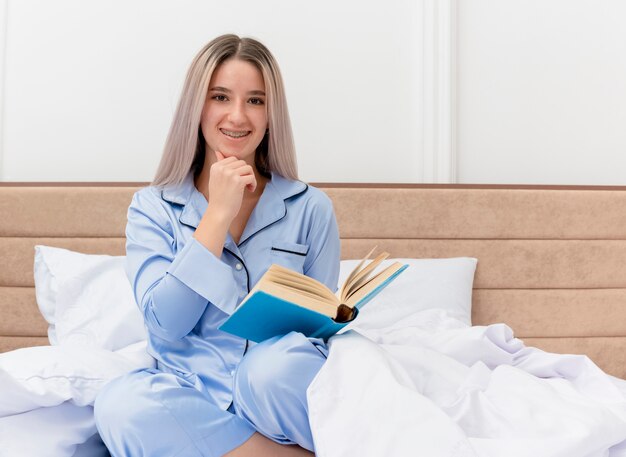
356	270
373	283
295	296
361	277
299	287
277	273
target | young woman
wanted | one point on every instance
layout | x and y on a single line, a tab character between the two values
225	204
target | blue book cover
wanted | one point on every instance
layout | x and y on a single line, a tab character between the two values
263	315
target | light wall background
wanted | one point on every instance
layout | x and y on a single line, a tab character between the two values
542	91
90	87
469	91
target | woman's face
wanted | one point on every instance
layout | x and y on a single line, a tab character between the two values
234	117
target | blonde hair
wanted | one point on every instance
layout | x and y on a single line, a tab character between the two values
184	149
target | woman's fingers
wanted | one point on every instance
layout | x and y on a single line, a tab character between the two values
230	162
249	181
227	161
229	178
246	174
236	168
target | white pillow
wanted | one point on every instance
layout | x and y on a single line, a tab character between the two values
65	430
48	393
38	376
86	299
426	284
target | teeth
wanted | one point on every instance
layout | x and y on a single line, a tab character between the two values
235	134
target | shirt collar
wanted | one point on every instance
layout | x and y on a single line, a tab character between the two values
286	188
269	209
271	206
179	194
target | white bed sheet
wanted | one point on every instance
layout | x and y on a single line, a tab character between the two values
47	393
431	385
426	385
62	430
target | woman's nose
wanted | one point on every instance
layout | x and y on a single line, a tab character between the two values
237	114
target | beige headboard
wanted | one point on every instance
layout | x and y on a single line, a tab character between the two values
552	261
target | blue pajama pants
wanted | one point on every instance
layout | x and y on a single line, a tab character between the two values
154	413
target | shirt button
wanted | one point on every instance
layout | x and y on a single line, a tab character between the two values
232	372
238	267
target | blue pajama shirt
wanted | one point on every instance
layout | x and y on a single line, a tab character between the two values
212	390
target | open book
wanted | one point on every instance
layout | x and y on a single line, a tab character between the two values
284	300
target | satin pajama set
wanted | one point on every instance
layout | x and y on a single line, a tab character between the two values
211	390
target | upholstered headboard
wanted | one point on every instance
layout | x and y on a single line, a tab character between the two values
552	261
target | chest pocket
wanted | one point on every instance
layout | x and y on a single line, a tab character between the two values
289	255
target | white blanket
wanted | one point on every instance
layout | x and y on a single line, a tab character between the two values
430	385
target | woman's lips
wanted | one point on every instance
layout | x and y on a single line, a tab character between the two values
235	134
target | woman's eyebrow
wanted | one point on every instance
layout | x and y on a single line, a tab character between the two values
228	91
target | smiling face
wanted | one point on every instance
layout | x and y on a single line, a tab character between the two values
234	117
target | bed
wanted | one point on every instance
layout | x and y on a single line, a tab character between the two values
550	274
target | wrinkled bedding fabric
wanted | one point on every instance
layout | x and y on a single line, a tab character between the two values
426	385
431	385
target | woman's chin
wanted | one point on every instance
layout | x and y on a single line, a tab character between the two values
240	155
235	154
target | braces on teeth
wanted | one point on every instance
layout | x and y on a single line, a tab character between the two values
235	134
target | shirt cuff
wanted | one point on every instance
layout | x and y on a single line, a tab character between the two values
197	268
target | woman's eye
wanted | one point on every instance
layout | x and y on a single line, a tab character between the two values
220	98
257	101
